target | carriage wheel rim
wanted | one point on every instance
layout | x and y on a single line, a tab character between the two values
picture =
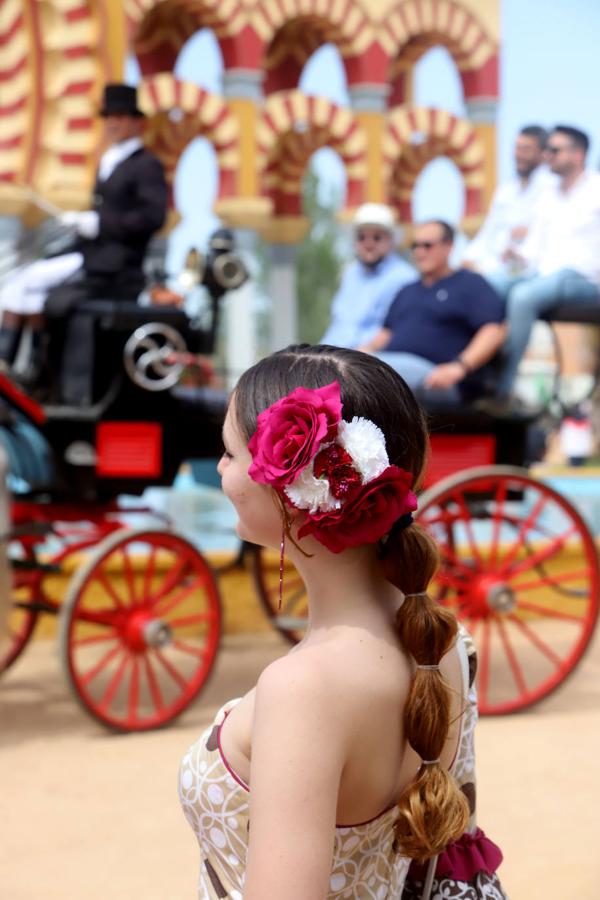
515	621
139	655
19	636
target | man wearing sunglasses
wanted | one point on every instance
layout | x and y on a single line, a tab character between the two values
561	253
442	330
513	206
370	282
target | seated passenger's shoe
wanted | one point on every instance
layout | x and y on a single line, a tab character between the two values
505	407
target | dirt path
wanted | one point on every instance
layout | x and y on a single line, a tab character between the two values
89	815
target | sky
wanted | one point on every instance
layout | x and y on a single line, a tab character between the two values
550	72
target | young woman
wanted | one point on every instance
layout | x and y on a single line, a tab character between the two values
336	770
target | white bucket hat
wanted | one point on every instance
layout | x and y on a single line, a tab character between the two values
374	214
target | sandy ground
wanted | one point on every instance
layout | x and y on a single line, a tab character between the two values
89	815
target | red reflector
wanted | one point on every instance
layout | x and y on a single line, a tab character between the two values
129	449
452	453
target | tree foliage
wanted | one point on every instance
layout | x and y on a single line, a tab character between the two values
318	264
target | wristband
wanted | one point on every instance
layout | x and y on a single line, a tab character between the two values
465	365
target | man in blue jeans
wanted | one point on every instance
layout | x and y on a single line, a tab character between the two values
558	263
442	330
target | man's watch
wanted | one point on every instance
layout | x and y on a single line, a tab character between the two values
466	367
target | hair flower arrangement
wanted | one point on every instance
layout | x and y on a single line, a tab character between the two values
338	472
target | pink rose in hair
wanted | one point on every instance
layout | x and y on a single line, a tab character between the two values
289	433
367	514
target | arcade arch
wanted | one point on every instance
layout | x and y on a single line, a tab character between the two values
415	136
293	43
292	127
180	111
158	29
414	26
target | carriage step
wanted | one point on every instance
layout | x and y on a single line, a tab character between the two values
36	606
32	565
29	529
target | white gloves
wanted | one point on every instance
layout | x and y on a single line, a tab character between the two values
86	224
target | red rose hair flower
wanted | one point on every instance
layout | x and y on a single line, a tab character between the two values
337	472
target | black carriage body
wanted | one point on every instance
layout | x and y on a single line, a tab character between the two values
462	439
130	437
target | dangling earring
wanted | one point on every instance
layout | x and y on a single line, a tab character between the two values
281	563
286	525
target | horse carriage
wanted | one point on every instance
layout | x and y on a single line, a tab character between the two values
140	618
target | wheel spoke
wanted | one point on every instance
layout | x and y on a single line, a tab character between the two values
450	580
550	613
148	576
523	529
512	658
200	652
454	561
134	690
173	577
551	580
181	595
103	579
129	576
498	518
93	639
155	692
113	685
468	526
540	555
541	645
170	668
100	665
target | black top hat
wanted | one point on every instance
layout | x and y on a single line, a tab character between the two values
120	100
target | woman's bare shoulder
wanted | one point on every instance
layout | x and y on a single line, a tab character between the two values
303	676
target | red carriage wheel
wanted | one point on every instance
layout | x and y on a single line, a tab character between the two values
520	570
25	590
291	619
140	628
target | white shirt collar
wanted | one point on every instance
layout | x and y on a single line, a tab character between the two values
115	155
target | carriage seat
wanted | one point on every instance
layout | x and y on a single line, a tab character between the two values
120	315
464	437
585	313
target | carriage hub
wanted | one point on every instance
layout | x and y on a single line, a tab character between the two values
488	594
143	630
157	633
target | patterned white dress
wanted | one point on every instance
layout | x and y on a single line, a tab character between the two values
215	801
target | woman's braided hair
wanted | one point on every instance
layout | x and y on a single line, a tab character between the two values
432	811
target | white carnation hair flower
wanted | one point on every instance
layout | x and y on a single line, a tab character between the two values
365	442
313	494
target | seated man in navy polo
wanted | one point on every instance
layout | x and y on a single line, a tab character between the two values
441	331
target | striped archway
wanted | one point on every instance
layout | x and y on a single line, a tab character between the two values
413	137
415	26
292	127
293	31
54	60
178	112
158	29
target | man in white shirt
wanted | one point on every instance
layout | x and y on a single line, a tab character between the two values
561	250
129	204
513	206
